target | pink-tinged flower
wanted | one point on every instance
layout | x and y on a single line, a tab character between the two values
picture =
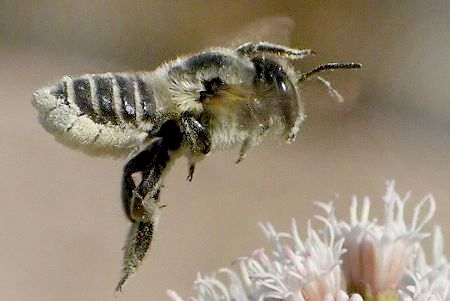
211	288
428	282
376	261
295	270
300	270
378	254
433	286
440	261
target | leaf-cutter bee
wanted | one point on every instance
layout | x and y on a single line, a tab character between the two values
192	106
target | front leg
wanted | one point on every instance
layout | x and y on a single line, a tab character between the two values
243	151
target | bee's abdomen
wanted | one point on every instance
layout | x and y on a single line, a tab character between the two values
110	98
105	112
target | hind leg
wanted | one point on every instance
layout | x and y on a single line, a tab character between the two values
142	202
136	247
139	240
151	162
141	162
145	210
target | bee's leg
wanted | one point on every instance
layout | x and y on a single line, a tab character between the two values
250	49
151	162
138	163
246	145
145	210
145	197
143	201
138	243
193	159
253	139
191	172
196	135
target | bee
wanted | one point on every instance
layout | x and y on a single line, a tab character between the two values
192	106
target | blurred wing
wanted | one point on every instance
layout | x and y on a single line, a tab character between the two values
275	29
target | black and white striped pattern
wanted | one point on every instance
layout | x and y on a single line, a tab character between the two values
109	98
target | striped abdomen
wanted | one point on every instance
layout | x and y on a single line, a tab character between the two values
110	98
102	114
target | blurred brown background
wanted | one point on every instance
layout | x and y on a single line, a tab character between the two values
61	223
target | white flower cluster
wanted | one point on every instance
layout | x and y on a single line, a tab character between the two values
357	260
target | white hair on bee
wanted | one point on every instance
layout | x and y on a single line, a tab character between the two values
186	93
64	119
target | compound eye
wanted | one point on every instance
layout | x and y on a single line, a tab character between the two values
211	87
